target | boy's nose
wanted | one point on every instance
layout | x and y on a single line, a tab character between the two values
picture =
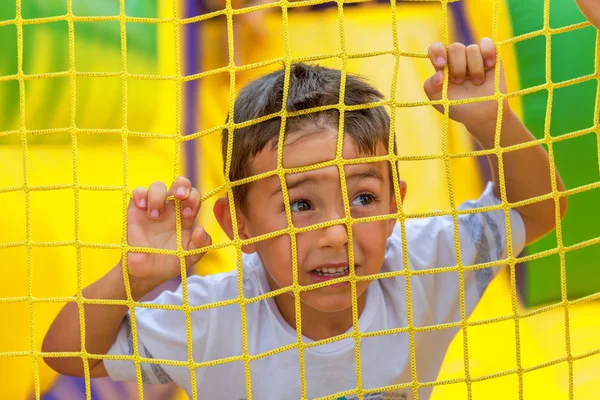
335	236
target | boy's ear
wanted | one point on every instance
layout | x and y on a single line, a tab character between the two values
402	190
223	215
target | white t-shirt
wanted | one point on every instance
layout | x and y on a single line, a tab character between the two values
329	368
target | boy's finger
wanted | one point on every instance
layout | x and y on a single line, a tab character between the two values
190	208
200	238
434	85
488	52
140	197
433	88
457	61
157	195
437	55
475	64
181	188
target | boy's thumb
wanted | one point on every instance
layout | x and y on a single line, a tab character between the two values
434	85
200	238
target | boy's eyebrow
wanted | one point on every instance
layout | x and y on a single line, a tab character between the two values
295	184
370	174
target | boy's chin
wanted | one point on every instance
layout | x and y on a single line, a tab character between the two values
329	302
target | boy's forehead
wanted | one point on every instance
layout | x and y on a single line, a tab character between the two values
308	148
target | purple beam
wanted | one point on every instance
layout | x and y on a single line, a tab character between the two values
192	56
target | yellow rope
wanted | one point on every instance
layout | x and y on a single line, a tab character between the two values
281	172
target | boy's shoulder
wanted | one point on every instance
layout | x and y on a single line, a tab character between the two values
431	240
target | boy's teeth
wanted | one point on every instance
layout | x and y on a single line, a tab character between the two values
331	271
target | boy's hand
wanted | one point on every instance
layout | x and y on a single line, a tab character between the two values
151	223
471	71
591	10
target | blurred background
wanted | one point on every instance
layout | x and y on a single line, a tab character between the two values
102	108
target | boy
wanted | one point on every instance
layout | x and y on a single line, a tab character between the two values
315	197
591	10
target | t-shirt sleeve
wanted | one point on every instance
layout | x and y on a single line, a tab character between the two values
162	332
482	237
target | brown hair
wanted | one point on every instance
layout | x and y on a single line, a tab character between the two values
310	86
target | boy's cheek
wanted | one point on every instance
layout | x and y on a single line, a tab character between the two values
280	252
277	257
371	239
270	223
383	207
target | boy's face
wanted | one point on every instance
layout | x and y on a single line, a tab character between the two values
316	197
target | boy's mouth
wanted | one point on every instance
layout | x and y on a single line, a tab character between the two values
332	272
325	273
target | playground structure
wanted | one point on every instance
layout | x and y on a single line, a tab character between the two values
149	106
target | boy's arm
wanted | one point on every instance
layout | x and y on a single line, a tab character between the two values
591	10
526	174
151	224
102	323
527	171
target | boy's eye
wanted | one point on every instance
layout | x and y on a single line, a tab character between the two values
300	205
364	199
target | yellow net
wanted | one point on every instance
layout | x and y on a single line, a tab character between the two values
179	79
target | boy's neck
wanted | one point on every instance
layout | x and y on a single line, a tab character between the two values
317	325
